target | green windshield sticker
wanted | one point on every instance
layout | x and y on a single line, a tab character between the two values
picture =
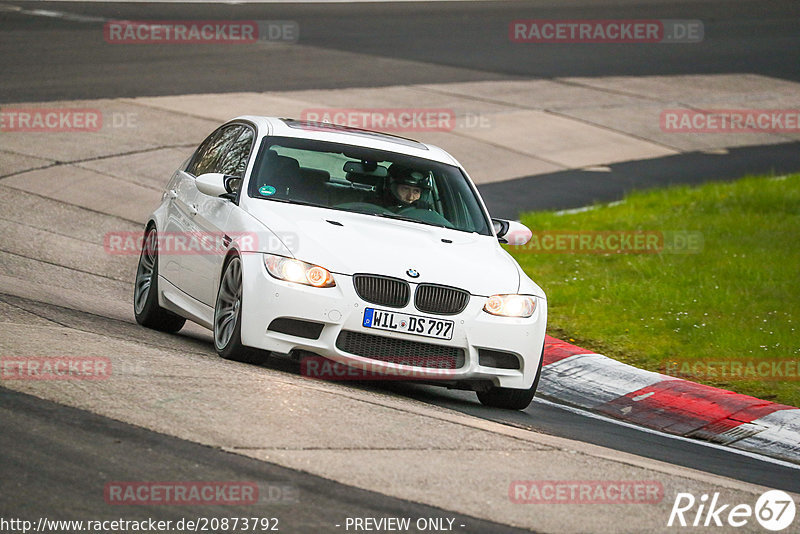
267	190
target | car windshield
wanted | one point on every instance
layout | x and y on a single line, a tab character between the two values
366	180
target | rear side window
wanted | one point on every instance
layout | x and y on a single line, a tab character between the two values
213	150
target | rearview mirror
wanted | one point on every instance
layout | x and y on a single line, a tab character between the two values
364	172
216	184
511	232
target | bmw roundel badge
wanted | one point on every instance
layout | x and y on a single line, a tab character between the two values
412	273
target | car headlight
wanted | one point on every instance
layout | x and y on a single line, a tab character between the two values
298	271
510	305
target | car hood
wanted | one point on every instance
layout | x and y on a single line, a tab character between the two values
350	243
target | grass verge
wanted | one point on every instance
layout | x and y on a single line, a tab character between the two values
719	303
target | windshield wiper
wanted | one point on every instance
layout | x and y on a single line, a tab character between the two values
293	201
384	215
403	218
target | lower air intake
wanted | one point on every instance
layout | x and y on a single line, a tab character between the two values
400	351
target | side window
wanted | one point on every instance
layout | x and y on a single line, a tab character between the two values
455	208
234	161
213	149
199	154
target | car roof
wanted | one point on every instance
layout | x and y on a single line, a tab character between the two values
346	135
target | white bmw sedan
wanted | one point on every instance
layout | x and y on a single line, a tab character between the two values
369	250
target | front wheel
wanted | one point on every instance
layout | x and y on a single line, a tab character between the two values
228	317
511	399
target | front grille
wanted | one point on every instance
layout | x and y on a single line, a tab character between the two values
400	351
441	300
382	290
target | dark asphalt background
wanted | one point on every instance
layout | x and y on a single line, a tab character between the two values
55	58
55	460
47	58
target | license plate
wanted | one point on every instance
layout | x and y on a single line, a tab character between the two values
408	324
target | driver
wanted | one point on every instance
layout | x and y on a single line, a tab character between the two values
405	187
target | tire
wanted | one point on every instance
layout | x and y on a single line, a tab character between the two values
228	317
145	290
511	399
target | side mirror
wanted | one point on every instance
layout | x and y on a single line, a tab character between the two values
216	184
511	232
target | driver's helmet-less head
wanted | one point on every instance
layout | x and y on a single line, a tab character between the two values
406	184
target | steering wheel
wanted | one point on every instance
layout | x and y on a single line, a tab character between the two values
363	207
408	209
425	215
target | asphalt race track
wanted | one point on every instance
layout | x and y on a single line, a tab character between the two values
56	57
67	451
55	458
431	42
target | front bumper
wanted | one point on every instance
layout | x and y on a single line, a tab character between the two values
339	309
